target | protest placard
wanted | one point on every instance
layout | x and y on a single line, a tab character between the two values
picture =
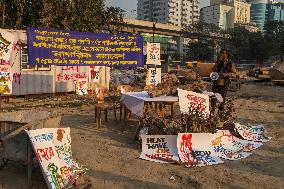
52	147
153	76
159	148
227	146
82	86
195	149
95	74
189	100
71	48
153	53
252	133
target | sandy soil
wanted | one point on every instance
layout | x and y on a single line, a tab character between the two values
112	154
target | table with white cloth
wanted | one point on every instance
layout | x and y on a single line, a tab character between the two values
135	101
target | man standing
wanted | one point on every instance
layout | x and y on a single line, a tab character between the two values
226	70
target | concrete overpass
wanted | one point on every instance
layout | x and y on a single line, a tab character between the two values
141	26
177	33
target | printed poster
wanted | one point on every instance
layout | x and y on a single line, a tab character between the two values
82	86
189	100
154	53
159	148
153	76
52	147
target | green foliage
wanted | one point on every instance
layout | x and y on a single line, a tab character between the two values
247	45
80	15
200	51
274	37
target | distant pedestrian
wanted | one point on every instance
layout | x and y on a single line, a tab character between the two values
226	70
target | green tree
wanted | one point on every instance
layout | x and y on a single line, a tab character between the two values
246	45
80	15
274	38
203	47
200	51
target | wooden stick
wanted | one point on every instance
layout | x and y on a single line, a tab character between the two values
20	129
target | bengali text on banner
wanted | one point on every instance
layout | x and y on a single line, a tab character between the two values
71	48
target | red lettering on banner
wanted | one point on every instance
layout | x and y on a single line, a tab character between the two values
15	47
163	156
66	172
81	83
3	69
67	68
186	147
196	102
46	153
68	77
17	77
154	49
229	135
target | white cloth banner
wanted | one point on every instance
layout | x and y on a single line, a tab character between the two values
154	76
227	146
189	100
201	149
82	86
52	147
252	133
9	47
159	148
6	79
195	149
153	53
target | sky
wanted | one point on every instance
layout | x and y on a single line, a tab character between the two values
130	6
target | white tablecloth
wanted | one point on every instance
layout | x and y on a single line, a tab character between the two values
134	101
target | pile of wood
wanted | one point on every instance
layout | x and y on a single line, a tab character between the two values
194	122
277	73
196	86
168	87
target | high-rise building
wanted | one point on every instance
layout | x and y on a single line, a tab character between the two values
263	11
176	12
226	13
218	15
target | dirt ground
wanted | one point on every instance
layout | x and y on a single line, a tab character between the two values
112	154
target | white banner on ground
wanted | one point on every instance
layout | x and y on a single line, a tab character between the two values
227	146
159	148
189	100
52	147
153	53
252	133
153	76
195	149
82	86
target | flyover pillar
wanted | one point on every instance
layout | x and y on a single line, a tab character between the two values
180	47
